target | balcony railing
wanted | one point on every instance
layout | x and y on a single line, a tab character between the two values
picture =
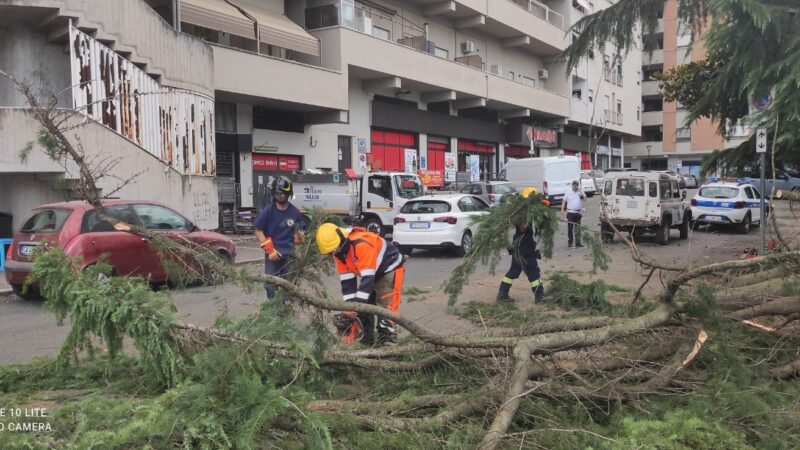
541	11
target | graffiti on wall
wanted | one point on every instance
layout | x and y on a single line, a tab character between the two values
174	125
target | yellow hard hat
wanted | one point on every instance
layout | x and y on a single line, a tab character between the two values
330	237
528	191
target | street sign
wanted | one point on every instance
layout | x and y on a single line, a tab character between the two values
762	102
362	145
761	140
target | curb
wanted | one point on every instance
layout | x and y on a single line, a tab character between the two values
242	263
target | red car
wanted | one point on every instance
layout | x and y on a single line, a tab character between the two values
75	227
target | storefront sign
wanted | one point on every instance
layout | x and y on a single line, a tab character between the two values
602	150
423	162
616	151
474	168
449	167
411	160
279	163
543	136
433	178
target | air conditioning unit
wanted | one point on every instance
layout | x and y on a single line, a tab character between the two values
467	47
497	69
544	74
364	24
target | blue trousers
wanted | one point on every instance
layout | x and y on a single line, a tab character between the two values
278	268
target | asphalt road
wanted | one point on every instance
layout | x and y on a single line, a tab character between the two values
28	331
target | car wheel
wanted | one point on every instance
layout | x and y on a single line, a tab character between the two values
374	225
606	234
744	226
30	294
466	244
662	232
405	249
685	225
211	276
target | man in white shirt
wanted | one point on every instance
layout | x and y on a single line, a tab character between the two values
572	206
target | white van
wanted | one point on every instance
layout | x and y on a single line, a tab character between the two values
552	176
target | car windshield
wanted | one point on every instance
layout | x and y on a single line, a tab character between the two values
426	207
503	189
586	176
46	220
630	187
408	186
719	192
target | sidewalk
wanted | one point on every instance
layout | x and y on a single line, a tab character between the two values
4	287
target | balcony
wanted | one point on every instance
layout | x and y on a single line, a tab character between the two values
541	11
653	58
640	148
314	87
579	111
650	89
511	18
652	118
506	94
423	72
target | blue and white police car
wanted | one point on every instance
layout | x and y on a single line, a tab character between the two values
727	203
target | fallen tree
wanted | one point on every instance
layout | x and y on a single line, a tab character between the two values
268	377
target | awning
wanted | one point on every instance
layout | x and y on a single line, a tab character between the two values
585	5
275	29
217	15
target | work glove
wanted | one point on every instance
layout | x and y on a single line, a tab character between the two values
299	237
272	253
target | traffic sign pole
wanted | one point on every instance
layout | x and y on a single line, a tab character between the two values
761	149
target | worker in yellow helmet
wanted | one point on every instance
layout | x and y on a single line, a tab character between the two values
524	257
379	265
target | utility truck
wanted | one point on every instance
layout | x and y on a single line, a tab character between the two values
371	200
552	176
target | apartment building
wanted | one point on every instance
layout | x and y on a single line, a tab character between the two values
604	100
666	142
326	85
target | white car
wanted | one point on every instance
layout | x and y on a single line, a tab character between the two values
588	183
727	203
433	221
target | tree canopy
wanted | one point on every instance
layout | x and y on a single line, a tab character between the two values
752	48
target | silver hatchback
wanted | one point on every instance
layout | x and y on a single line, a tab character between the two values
492	192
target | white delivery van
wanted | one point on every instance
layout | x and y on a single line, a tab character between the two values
371	200
552	176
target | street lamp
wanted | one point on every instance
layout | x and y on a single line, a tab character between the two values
648	156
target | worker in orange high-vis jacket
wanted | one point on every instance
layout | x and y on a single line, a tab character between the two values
360	254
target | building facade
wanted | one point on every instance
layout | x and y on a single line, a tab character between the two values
326	85
666	142
135	95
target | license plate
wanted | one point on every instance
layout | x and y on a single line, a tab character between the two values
632	204
420	225
558	197
714	218
26	250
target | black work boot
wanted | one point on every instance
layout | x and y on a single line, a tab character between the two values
538	293
502	293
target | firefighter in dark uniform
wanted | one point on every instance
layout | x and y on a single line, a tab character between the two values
524	258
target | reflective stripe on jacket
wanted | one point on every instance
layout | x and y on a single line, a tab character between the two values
369	257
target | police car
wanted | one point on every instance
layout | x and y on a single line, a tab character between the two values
727	203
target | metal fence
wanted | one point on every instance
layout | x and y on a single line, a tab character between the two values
175	126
